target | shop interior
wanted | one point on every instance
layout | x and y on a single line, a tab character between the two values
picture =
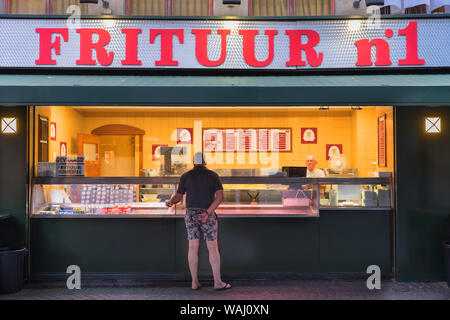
347	142
111	150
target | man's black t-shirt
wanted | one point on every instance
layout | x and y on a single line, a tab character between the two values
200	184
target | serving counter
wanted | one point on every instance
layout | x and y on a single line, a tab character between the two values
243	196
267	225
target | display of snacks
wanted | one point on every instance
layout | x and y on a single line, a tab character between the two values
102	194
91	209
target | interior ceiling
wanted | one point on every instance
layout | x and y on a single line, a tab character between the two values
112	109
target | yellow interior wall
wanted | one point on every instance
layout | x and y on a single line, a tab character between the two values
356	130
66	131
160	128
365	141
69	123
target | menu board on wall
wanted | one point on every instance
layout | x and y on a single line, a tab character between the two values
247	140
212	140
261	139
229	138
382	141
280	140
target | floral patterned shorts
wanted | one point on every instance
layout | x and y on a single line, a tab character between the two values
194	226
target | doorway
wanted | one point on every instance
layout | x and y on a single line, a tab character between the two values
121	151
117	155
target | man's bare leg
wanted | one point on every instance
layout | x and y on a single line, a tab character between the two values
193	262
214	260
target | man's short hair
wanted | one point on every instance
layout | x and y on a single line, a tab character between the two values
199	158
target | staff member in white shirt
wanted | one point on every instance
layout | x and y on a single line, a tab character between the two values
311	170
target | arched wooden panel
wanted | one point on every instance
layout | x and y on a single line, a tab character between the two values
118	129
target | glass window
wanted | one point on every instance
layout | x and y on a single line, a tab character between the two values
147	7
60	6
269	8
128	160
237	141
102	199
286	7
27	6
416	7
168	8
269	198
355	195
420	9
190	7
312	7
52	200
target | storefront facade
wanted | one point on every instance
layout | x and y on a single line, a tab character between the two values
408	77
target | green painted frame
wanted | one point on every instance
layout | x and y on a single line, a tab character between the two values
345	90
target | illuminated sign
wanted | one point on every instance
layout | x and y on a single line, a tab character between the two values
225	44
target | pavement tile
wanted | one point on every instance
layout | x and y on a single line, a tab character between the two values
242	290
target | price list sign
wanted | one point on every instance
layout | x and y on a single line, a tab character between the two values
252	140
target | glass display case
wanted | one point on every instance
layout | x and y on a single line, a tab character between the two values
101	199
355	195
243	196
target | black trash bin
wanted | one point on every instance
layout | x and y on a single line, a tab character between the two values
446	244
447	260
12	269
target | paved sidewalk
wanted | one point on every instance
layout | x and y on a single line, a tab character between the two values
242	290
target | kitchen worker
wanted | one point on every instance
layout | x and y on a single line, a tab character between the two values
311	170
204	193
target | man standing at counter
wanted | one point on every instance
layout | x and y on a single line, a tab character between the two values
311	170
204	193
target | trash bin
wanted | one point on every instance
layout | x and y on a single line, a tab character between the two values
446	244
447	260
12	269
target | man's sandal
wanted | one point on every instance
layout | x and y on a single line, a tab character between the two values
225	287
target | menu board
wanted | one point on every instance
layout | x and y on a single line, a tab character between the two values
279	139
212	140
263	139
229	138
247	140
251	140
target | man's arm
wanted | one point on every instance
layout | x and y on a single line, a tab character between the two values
177	196
217	200
174	199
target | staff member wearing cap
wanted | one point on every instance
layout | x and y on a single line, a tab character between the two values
204	193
